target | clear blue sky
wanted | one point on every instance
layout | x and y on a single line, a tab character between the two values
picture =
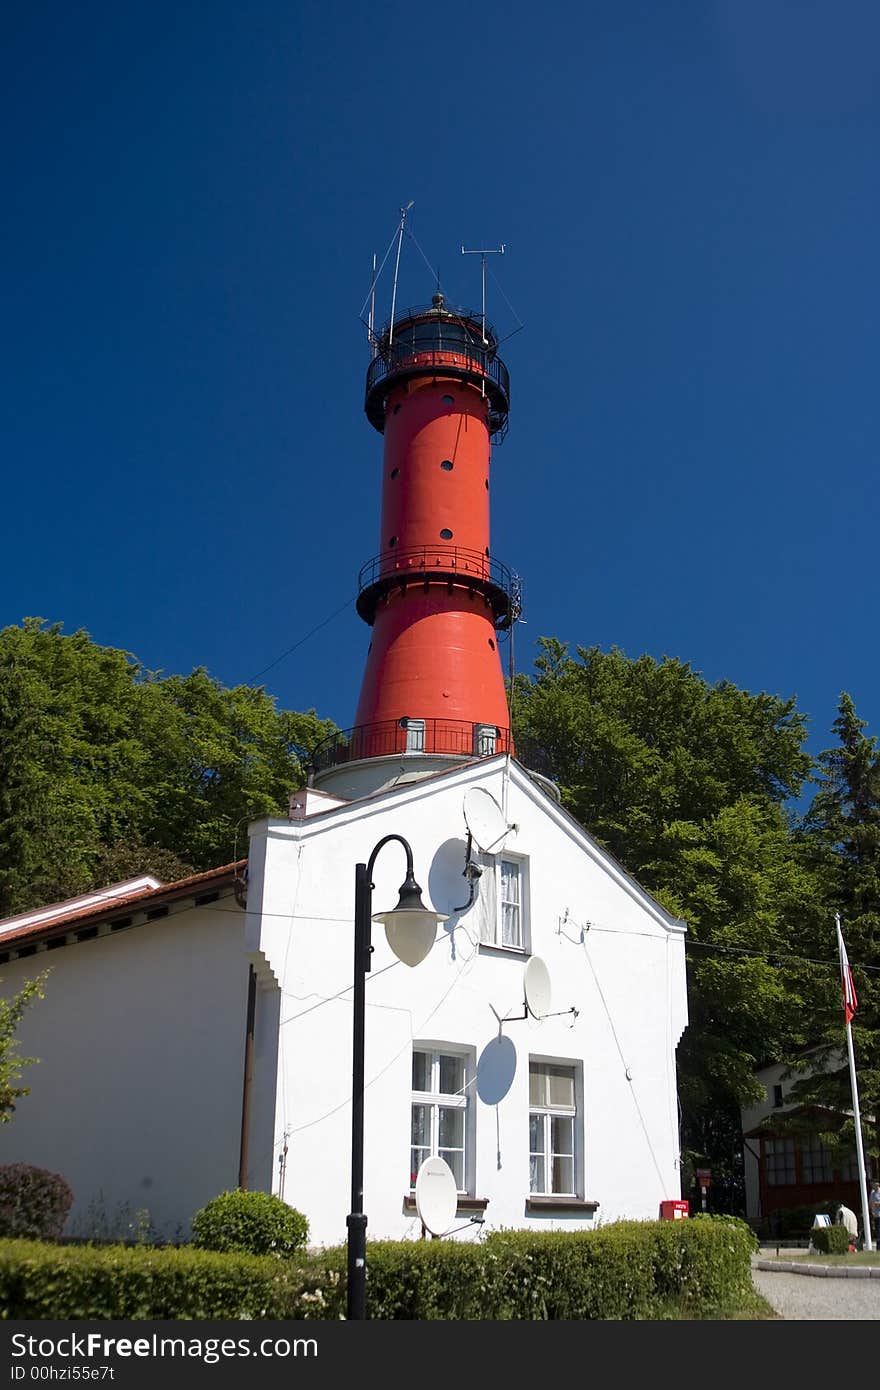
689	197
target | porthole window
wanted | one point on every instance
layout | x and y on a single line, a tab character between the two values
393	542
448	400
487	550
446	534
487	484
396	408
491	644
446	465
395	472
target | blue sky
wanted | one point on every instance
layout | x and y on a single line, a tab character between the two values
689	196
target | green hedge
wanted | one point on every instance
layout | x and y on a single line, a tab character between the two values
632	1269
117	1282
830	1240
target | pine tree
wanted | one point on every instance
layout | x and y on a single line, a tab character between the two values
843	837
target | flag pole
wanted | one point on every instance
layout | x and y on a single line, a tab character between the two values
849	993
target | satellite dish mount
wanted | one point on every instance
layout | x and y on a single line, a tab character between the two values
537	993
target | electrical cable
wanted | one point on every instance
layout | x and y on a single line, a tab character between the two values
311	633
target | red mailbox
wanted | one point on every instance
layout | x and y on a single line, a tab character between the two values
673	1211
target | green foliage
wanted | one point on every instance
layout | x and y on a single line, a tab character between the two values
842	837
635	1269
255	1223
107	769
115	1282
830	1240
796	1223
33	1202
630	1269
11	1011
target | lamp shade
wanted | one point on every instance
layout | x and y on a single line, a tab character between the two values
410	927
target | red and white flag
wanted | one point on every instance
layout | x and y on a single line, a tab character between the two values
850	1002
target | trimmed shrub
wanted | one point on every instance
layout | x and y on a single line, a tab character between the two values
33	1202
119	1282
252	1223
795	1223
628	1270
830	1240
632	1269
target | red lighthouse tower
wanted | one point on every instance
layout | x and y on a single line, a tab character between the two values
434	595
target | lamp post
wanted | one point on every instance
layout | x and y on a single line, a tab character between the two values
410	929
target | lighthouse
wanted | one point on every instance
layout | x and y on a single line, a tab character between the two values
434	595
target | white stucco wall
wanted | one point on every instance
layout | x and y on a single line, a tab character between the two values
626	977
136	1098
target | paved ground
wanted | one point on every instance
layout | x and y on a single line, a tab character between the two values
812	1299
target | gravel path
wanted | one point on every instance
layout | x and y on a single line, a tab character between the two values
811	1299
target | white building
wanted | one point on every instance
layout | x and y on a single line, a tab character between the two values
786	1163
566	1120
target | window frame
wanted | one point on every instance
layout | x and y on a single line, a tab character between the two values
494	921
547	1113
435	1100
780	1161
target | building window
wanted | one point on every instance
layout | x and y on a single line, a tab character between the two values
815	1161
779	1162
415	735
485	738
552	1116
849	1167
777	1097
511	877
439	1112
506	919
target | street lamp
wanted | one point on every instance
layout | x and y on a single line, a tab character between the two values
410	929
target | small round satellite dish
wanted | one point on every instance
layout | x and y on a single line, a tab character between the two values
484	819
536	983
436	1195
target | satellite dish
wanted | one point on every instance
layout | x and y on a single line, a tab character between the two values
485	820
436	1196
536	982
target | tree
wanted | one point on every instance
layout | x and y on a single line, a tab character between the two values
842	836
107	769
686	783
11	1011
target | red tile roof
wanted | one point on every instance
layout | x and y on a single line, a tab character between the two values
145	898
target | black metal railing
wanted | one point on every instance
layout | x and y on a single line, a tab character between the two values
425	559
390	737
470	357
438	564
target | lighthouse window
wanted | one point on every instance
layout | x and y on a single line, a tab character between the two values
447	465
393	542
491	644
448	400
396	471
487	484
396	409
446	534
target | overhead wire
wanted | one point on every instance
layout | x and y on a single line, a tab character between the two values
290	650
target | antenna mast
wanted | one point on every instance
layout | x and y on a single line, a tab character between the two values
488	251
403	212
371	327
